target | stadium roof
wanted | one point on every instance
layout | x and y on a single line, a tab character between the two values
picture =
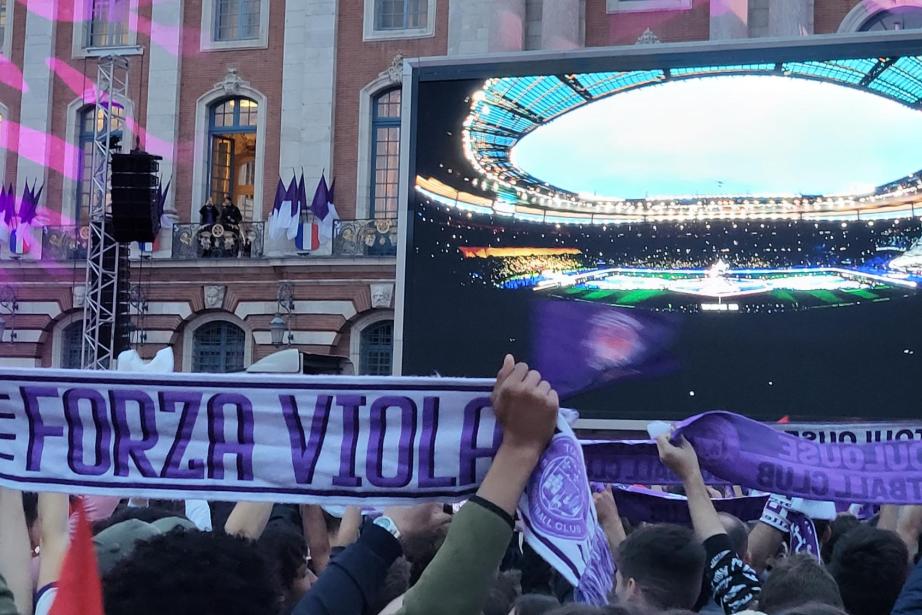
509	108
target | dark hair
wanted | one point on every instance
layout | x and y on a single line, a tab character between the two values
188	572
396	583
502	594
666	562
285	551
420	549
814	608
870	566
737	532
535	604
796	580
837	528
147	514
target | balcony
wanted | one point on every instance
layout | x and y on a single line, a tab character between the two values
370	237
193	241
64	243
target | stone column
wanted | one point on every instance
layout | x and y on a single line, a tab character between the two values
790	18
486	26
165	62
729	19
560	27
308	85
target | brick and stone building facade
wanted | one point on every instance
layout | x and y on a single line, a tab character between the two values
234	94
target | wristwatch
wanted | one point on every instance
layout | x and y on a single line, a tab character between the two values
388	524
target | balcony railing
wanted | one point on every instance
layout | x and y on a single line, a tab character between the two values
374	237
64	243
191	241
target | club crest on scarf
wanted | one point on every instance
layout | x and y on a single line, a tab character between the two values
559	499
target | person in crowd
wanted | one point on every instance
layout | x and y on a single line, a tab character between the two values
208	215
660	567
733	583
459	577
230	213
422	559
837	528
534	604
870	565
797	580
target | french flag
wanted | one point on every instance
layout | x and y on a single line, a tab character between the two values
18	244
308	238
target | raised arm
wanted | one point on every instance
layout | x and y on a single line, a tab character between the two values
733	583
53	511
458	579
248	519
15	556
609	518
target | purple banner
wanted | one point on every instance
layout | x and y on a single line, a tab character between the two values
646	505
744	452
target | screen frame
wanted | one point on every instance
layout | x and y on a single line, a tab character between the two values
624	58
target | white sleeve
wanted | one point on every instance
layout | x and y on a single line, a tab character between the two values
199	513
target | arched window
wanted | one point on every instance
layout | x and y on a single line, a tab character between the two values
90	117
232	152
385	154
72	345
218	347
897	18
376	349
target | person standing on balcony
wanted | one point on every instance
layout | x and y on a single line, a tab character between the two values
208	214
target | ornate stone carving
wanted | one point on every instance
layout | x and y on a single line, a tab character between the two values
382	295
78	295
232	82
214	296
394	72
648	38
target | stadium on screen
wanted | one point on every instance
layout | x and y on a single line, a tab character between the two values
760	187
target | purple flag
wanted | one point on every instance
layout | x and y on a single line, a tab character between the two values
579	346
291	197
6	206
293	218
321	203
744	452
302	194
279	196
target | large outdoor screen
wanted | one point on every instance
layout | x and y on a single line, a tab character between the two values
670	232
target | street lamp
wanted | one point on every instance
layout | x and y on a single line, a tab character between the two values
277	329
278	326
10	305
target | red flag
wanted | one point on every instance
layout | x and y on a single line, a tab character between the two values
79	587
784	420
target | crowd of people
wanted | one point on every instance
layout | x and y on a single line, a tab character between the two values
254	558
516	271
695	244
